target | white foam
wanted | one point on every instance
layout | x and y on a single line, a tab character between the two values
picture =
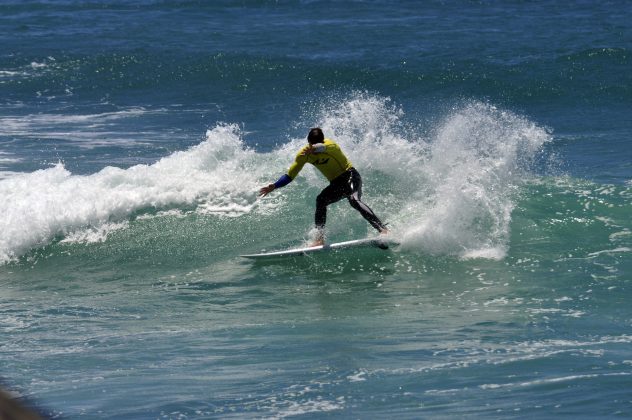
546	381
34	68
359	376
8	73
94	234
83	129
220	173
311	406
451	193
8	174
36	65
478	157
4	159
497	253
610	251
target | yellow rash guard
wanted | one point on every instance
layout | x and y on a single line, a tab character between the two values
330	161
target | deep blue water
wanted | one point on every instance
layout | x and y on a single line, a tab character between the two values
494	137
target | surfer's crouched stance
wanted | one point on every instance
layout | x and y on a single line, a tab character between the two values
344	180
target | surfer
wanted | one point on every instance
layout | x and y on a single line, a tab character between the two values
344	181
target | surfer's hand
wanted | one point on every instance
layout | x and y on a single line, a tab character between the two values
266	190
309	150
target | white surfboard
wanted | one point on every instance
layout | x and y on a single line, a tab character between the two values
382	243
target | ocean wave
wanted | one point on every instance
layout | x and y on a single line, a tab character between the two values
453	189
41	206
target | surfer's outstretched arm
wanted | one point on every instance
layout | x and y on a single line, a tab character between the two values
281	182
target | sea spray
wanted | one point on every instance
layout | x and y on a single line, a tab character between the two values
450	192
478	159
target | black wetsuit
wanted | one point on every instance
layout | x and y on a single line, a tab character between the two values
348	185
344	180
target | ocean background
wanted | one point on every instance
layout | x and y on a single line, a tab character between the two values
495	137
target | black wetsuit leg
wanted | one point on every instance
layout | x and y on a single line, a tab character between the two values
347	185
355	199
335	191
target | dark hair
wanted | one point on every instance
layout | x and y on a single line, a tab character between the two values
315	136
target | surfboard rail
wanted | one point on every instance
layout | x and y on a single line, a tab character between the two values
382	243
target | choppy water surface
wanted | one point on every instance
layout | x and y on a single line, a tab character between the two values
494	138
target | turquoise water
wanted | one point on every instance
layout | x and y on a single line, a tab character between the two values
493	137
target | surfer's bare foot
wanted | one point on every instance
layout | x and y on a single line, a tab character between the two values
385	231
318	237
317	242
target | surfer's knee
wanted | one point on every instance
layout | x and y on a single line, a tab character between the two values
322	200
354	200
